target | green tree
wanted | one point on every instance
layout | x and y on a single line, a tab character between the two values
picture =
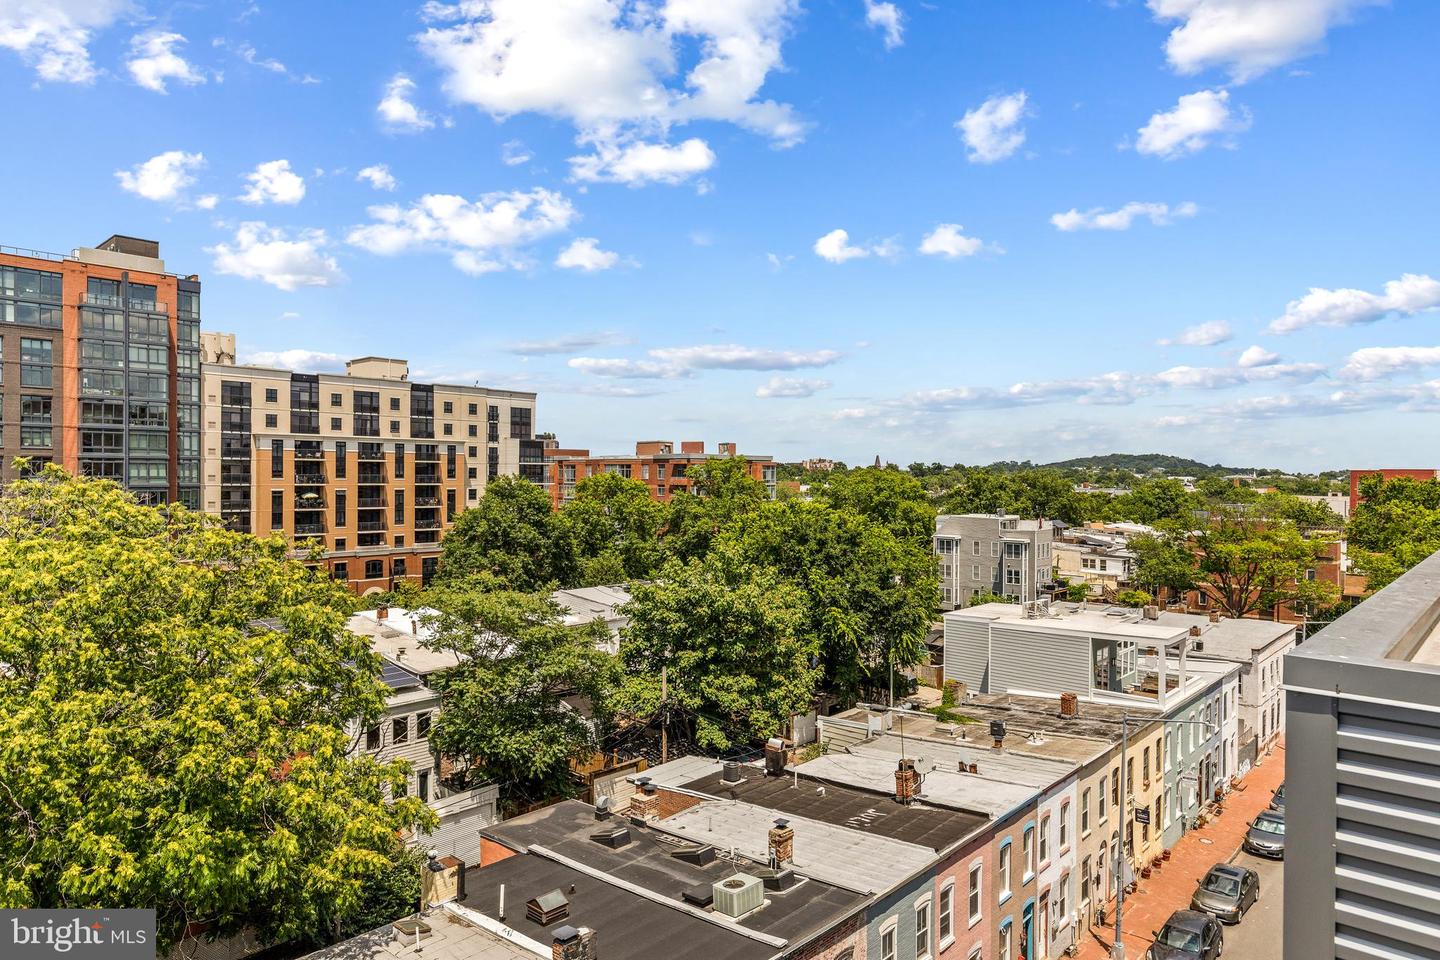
1154	501
870	596
505	719
513	535
1077	592
1394	527
1163	561
721	490
979	599
731	640
890	498
615	527
159	747
1258	565
1133	598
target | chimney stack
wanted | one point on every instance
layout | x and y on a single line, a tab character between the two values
1214	616
775	757
571	943
782	843
381	612
1069	706
997	734
907	781
646	803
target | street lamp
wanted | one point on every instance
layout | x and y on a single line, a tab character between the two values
1117	950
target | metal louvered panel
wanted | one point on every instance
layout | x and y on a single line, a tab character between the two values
967	653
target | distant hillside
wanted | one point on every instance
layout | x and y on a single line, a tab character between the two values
1146	462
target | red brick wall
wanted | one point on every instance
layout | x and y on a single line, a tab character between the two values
672	802
492	852
849	935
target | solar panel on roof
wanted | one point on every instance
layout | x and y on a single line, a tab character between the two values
397	677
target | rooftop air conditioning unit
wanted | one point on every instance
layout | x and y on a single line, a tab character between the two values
737	895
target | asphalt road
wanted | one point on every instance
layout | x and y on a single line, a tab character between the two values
1258	936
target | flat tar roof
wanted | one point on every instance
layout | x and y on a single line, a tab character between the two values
450	938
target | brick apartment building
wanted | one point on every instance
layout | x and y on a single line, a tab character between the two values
1420	476
369	465
655	463
100	367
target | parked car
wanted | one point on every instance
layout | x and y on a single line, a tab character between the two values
1266	836
1188	935
1277	802
1226	892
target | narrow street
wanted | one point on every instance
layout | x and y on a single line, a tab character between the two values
1170	888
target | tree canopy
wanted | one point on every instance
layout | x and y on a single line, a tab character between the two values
1258	564
513	535
1395	526
159	747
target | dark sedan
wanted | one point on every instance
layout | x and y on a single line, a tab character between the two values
1266	837
1188	935
1226	892
1277	802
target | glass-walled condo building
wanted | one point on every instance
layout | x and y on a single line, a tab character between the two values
100	367
370	467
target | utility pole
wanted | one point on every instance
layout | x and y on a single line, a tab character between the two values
664	716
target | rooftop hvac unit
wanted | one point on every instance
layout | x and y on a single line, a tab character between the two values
737	895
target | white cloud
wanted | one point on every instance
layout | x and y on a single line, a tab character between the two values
274	182
272	254
948	240
397	112
154	60
887	18
53	36
480	236
584	253
1258	356
992	130
1247	37
565	343
835	246
790	388
163	177
669	363
1096	218
614	69
513	153
378	176
1201	335
1196	119
1374	363
251	56
299	360
636	164
207	202
1407	296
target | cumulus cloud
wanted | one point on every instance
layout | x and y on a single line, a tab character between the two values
1097	218
636	164
53	36
674	362
1258	356
566	343
887	18
299	360
154	60
378	176
1196	119
992	130
274	182
1407	296
163	177
948	240
1247	37
790	388
584	253
1201	335
835	246
396	111
278	257
513	153
617	72
481	236
1374	363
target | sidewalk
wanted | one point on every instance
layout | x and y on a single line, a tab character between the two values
1170	888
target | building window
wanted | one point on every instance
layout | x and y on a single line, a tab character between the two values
340	452
335	400
448	407
341	570
1084	882
1062	897
1064	825
1115	787
1045	840
400	730
922	929
974	893
35	362
399	461
887	941
372	738
277	509
394	403
1027	848
277	458
947	914
1085	809
374	569
336	423
339	509
425	786
422	726
1004	872
272	420
1007	930
272	395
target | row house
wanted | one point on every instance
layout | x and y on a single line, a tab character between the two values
999	554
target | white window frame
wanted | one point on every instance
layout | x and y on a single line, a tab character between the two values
945	915
924	907
1063	898
975	893
1027	850
1064	826
1044	840
1085	812
1104	813
1006	939
890	929
1007	867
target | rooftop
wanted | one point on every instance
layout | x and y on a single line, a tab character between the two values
1093	730
960	795
450	938
649	860
1018	523
1399	625
628	923
398	635
869	811
1088	619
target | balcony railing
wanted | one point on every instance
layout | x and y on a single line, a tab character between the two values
310	503
370	526
427	524
309	454
309	529
372	478
371	503
377	455
427	501
100	300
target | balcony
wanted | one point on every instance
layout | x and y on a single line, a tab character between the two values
309	454
371	479
371	503
427	478
309	529
430	523
115	303
310	475
369	455
311	502
369	526
427	501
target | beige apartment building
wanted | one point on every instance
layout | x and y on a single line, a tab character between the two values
367	465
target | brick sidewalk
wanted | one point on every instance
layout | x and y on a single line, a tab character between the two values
1170	888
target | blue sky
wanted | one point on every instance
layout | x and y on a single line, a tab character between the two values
1202	227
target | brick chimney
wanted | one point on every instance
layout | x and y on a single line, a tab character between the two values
572	943
381	612
782	842
646	803
907	781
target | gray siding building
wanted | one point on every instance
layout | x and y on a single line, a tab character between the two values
992	553
1362	875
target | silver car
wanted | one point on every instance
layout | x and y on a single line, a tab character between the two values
1266	836
1226	892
